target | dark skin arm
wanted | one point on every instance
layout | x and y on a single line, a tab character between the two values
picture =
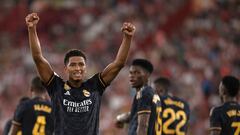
14	129
111	71
143	120
215	132
43	67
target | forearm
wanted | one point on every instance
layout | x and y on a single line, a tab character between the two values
111	71
34	44
143	120
122	54
43	67
13	130
12	133
142	129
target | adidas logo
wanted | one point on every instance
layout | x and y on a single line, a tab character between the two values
67	93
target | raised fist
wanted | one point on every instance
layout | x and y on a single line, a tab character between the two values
128	29
32	20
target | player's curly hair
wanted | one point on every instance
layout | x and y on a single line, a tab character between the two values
145	64
72	53
231	84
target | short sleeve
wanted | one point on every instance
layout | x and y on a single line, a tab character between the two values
98	83
52	84
215	119
19	114
7	127
144	103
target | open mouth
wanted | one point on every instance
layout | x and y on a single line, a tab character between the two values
132	82
78	74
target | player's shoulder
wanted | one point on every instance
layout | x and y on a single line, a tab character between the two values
96	80
40	100
182	101
147	90
36	100
31	102
25	104
232	104
216	110
167	98
178	99
45	102
164	99
95	77
55	76
48	103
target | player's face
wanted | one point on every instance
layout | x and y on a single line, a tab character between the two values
137	76
159	89
76	68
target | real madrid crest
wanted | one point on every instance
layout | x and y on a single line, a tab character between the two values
86	93
67	87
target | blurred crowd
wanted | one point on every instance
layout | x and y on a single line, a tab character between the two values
193	42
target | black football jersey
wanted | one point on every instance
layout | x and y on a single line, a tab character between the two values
7	128
34	117
174	115
226	118
144	102
154	125
76	110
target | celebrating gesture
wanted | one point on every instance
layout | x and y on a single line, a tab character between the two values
76	102
128	29
32	20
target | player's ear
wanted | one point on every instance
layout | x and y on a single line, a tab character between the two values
65	69
221	89
85	71
147	75
224	90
